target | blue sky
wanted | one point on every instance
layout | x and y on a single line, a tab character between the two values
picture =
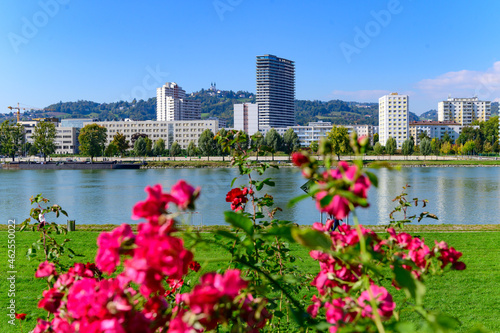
105	51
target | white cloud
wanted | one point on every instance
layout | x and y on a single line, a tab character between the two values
464	83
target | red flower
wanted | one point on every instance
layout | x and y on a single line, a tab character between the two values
299	159
237	197
110	243
51	300
195	266
45	269
184	194
154	206
20	316
383	299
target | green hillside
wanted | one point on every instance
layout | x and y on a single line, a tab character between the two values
214	103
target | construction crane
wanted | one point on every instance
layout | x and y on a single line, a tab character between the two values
18	110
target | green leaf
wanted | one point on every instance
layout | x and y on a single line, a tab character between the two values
297	199
373	179
312	239
232	182
227	234
411	285
240	221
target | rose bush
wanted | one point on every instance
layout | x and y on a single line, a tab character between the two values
144	289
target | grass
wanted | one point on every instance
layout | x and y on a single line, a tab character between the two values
470	295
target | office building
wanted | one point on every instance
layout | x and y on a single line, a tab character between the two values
246	118
464	110
393	118
172	104
183	131
275	91
66	139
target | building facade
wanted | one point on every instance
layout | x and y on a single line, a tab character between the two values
464	110
246	117
66	140
314	131
435	129
275	91
172	104
393	118
183	131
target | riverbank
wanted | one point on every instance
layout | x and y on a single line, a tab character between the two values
393	163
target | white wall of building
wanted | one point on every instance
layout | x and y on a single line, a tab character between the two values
246	118
393	118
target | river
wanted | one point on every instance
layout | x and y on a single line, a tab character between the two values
457	195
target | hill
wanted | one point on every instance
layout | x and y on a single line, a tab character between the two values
429	115
214	103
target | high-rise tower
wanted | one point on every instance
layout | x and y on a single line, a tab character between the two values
172	104
275	91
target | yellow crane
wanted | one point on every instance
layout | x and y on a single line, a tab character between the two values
18	110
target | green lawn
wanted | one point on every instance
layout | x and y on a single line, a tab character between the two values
471	295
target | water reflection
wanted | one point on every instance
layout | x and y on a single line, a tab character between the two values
457	195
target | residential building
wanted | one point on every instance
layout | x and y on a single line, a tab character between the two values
436	129
275	91
246	117
393	118
183	131
77	122
172	104
464	110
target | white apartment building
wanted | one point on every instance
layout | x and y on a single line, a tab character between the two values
66	140
464	110
183	131
172	104
393	118
246	117
435	129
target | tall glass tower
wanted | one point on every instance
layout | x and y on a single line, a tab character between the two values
275	91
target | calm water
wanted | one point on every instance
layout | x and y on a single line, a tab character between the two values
456	195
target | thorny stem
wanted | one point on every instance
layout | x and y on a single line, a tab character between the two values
366	280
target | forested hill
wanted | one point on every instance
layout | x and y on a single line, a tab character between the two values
214	103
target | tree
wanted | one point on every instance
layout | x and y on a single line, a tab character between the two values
391	145
291	142
175	149
489	130
140	147
378	148
339	139
11	139
159	147
425	147
92	139
314	146
219	149
447	138
121	143
435	145
408	147
206	143
191	149
257	141
44	137
487	148
111	150
273	141
478	145
423	135
468	147
375	138
149	146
